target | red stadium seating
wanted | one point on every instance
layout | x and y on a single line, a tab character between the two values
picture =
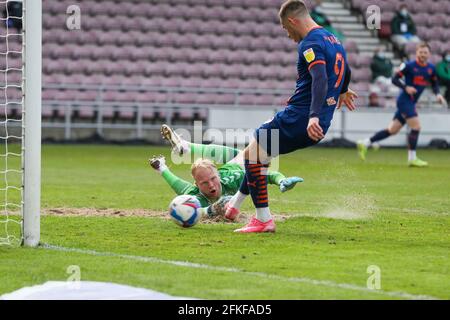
187	45
431	18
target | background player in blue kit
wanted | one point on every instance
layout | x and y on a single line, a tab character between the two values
417	74
322	85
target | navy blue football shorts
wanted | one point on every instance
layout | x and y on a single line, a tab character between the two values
405	109
286	131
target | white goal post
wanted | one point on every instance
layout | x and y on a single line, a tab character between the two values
31	123
20	121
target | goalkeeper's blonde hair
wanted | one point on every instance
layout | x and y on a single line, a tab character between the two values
202	163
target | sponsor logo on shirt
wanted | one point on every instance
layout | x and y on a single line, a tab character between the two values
309	55
420	81
331	101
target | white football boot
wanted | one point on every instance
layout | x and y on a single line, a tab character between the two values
178	144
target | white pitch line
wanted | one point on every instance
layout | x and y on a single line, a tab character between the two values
326	283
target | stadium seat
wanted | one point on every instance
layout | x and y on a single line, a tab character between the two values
205	70
231	71
147	112
280	101
364	61
87	95
435	58
201	114
209	44
351	46
230	84
361	75
440	20
249	84
84	111
47	111
93	79
183	114
217	56
249	71
74	78
107	112
410	48
352	59
194	70
127	112
421	19
360	87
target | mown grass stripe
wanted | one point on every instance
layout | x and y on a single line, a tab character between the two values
326	283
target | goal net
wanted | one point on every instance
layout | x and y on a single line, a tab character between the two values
20	113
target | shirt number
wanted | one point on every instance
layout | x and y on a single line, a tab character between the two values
339	70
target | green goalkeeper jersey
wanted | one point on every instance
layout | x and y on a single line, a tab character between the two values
231	176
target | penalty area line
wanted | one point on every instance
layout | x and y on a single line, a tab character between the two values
325	283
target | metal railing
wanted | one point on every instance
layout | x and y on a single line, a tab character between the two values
139	123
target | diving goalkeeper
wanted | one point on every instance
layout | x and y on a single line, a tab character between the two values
213	186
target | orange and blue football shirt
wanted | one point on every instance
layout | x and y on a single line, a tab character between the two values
319	47
419	76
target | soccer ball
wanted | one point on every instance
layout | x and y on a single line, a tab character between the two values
184	210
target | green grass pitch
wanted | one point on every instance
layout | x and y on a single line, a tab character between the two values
346	216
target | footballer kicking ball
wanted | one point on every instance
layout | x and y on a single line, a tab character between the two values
184	210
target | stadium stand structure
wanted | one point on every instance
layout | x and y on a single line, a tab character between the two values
148	62
431	18
361	44
170	58
432	25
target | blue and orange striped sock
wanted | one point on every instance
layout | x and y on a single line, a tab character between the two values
256	174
